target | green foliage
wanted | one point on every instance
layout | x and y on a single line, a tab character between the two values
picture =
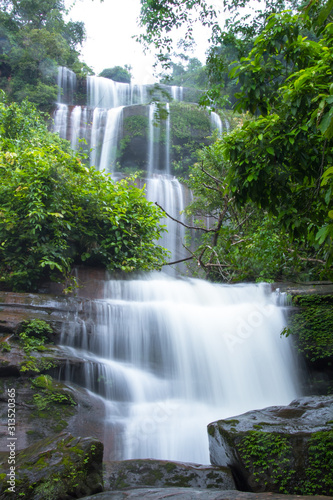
37	328
50	393
5	347
281	160
267	454
319	480
135	126
190	130
55	212
192	74
188	121
117	73
312	327
35	40
32	337
239	243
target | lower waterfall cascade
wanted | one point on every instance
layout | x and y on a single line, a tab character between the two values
168	356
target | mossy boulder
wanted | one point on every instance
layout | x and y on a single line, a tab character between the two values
57	467
162	474
279	449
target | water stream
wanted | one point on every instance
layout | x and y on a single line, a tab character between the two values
167	356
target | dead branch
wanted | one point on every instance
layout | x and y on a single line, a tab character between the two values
307	259
218	181
183	223
211	188
179	261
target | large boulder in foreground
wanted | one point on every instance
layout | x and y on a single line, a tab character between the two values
55	468
163	473
282	449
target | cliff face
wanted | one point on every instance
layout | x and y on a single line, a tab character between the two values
175	139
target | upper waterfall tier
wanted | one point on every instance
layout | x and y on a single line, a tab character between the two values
137	137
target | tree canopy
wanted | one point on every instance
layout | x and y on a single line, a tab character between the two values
278	160
118	74
34	41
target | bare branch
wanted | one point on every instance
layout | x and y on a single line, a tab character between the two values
307	259
211	187
183	224
178	261
211	176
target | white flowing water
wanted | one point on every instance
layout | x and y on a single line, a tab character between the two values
216	122
167	140
169	356
168	192
110	141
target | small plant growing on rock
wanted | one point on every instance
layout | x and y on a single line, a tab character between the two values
33	335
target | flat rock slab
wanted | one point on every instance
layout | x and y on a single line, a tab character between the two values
193	494
282	449
163	473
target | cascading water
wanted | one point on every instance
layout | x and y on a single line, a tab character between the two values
216	122
169	356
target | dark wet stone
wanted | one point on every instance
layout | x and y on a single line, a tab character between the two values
163	473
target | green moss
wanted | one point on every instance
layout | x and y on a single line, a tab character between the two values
120	482
188	120
312	327
211	430
135	126
232	421
180	481
170	467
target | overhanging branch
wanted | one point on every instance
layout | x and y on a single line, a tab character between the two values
183	223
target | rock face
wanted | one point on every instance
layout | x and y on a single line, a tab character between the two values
193	493
161	473
54	468
279	449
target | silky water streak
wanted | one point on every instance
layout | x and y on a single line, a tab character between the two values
168	356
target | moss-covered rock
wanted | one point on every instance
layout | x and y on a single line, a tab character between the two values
57	467
311	324
279	449
163	474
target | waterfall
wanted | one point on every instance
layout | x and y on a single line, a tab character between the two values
168	192
110	141
166	356
169	356
60	120
216	122
66	85
75	126
167	140
152	141
177	93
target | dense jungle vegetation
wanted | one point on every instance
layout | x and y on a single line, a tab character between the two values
266	187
